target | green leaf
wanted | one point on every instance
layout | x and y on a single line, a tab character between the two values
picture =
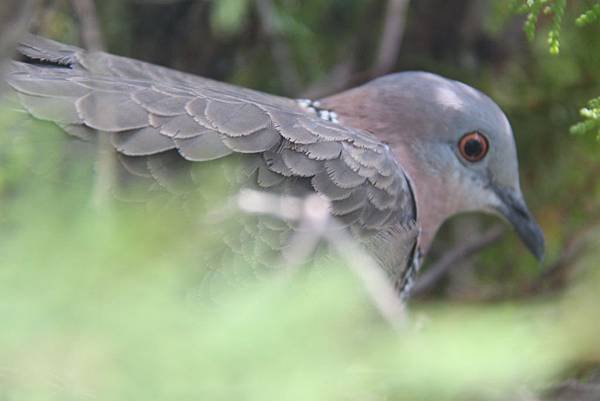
590	16
591	122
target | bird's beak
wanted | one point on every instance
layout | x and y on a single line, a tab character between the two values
514	209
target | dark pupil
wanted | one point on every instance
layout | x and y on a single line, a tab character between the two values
473	148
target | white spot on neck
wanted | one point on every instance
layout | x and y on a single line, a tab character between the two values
314	107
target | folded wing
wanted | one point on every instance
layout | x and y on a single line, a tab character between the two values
159	119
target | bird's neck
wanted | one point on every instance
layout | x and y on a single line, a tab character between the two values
358	108
432	195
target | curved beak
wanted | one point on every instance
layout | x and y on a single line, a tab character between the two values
514	209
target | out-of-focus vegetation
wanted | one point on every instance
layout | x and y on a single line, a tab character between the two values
111	304
591	113
556	8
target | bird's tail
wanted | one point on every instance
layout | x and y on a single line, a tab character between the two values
37	50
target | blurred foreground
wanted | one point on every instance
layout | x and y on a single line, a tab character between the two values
112	303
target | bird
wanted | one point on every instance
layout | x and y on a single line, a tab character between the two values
395	157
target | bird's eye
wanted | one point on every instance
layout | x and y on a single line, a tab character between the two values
473	146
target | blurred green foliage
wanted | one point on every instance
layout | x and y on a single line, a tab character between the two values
591	114
556	8
108	304
533	9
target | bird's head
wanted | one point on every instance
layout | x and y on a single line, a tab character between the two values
454	142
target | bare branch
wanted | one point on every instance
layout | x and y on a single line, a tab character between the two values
557	271
316	224
377	284
391	37
91	37
343	75
440	268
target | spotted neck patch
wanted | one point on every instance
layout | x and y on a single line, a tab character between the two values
314	107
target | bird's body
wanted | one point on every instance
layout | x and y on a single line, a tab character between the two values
160	120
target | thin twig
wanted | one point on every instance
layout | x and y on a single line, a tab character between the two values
391	37
91	37
342	76
555	276
442	266
378	286
572	250
312	213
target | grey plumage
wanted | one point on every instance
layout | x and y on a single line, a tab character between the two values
151	112
168	126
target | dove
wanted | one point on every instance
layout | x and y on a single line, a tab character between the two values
395	157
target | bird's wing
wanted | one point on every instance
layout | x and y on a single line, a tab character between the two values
155	116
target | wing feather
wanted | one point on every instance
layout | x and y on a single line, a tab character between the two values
205	147
160	121
58	109
111	112
141	142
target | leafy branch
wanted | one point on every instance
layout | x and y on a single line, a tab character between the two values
555	9
534	9
591	116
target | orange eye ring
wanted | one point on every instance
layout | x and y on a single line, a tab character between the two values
473	146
